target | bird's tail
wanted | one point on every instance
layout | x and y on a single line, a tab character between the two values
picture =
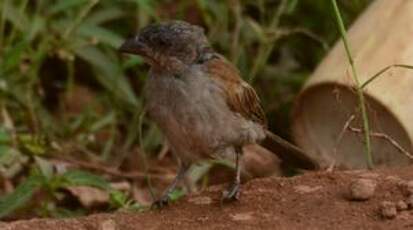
288	152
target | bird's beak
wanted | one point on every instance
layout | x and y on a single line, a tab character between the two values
133	46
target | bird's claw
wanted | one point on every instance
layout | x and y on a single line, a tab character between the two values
232	193
161	202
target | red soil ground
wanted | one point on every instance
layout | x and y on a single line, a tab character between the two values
312	201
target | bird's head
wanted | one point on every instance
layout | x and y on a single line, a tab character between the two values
168	43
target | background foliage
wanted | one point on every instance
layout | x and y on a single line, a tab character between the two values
66	93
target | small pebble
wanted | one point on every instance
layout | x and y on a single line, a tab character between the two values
108	225
401	206
362	189
401	183
369	175
242	216
393	179
303	189
406	187
388	210
409	202
200	200
409	187
202	218
403	216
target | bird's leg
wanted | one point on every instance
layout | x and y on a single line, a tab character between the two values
164	199
232	193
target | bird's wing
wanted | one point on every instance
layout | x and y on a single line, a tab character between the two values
240	96
243	99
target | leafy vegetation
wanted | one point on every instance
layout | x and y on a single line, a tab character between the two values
69	100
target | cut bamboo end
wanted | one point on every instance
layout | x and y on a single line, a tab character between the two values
381	37
327	125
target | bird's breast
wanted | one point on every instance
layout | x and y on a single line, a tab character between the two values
192	112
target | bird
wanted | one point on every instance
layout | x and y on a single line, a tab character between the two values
200	102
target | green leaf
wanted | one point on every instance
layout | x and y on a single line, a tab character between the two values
20	196
101	34
257	30
12	56
103	122
5	155
108	74
132	61
104	15
46	168
176	194
198	171
146	6
118	199
291	6
78	177
38	24
65	5
32	144
4	136
15	16
12	161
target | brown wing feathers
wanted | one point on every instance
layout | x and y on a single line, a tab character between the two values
241	97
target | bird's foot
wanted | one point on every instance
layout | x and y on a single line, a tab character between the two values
161	202
232	193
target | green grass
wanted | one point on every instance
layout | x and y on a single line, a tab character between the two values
358	86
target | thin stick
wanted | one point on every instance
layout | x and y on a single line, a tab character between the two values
164	150
358	87
343	131
386	137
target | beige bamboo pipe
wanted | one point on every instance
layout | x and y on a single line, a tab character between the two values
382	36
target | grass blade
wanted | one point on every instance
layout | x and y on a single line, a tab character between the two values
362	104
385	69
61	6
78	177
20	196
108	74
101	34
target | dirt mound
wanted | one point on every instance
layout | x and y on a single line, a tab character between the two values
321	200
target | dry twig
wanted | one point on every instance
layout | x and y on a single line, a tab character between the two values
387	138
343	131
